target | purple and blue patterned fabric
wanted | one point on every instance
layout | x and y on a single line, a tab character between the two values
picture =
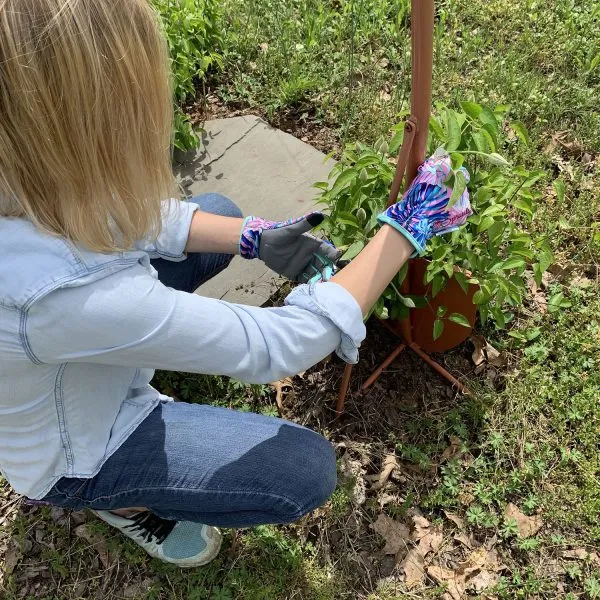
423	211
253	228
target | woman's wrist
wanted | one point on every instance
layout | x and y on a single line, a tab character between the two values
367	276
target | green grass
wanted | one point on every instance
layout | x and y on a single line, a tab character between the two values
343	65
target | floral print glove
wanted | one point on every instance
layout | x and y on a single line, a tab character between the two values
423	211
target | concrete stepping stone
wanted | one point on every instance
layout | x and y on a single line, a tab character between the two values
267	173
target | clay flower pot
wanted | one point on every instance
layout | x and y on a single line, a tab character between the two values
452	297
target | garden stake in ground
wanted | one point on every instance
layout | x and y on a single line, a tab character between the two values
410	157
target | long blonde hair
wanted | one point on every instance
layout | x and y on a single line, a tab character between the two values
85	119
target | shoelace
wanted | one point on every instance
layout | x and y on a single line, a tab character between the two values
152	526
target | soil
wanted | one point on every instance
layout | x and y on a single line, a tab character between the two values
300	122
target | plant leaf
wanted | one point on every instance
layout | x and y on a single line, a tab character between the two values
460	319
353	250
479	297
408	302
513	263
487	117
460	185
454	132
559	187
521	131
439	282
497	160
472	109
438	328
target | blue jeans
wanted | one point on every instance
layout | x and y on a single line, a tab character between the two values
201	463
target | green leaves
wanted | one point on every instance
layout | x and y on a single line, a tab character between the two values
353	250
491	251
453	132
460	319
460	185
520	131
472	109
438	328
558	301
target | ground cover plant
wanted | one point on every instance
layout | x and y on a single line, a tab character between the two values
494	495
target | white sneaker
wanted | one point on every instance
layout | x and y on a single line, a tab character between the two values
182	543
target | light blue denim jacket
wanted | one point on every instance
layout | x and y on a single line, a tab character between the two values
81	333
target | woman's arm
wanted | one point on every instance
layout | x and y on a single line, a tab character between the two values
367	276
214	233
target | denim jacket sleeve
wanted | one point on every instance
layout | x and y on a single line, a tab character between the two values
176	220
131	319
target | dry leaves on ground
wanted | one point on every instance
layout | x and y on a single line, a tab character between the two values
478	572
96	541
395	534
453	450
458	521
430	539
528	526
582	554
485	354
353	471
387	467
282	387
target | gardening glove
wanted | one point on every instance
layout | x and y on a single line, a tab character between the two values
423	211
288	249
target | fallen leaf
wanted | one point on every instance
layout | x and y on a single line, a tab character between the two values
384	96
385	499
431	541
582	554
282	386
389	464
484	352
458	521
483	580
12	556
476	560
414	568
420	527
453	450
96	541
527	526
455	584
395	534
464	539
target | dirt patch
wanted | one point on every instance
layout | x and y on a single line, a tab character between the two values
301	122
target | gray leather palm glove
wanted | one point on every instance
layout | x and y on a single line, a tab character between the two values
287	248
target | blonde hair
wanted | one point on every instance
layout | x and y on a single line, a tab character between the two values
85	119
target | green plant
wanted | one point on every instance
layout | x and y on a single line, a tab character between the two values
194	39
495	251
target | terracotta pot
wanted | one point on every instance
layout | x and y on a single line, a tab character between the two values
452	297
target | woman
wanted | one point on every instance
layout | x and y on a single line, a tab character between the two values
87	310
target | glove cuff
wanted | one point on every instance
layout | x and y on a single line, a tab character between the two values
250	237
419	248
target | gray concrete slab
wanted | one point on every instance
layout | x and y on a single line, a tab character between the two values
268	173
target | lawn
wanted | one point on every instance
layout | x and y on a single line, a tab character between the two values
501	487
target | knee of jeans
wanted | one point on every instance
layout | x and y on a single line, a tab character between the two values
317	479
217	204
